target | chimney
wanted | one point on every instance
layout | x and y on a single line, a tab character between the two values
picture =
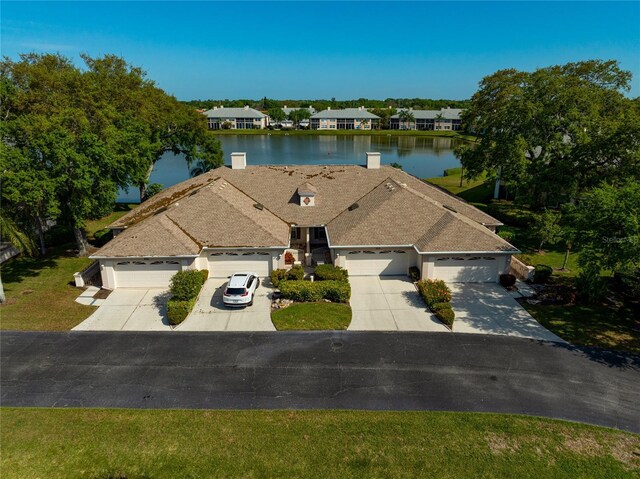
329	108
284	106
238	160
246	107
373	160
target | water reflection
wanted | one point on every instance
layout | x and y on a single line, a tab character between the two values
421	156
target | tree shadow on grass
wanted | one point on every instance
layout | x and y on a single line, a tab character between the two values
21	267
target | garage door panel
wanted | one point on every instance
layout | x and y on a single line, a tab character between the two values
145	274
222	265
467	269
374	263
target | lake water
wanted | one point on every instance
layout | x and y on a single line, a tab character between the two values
421	156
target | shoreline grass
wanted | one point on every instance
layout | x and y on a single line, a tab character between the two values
101	443
427	133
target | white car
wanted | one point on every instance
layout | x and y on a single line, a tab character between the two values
241	289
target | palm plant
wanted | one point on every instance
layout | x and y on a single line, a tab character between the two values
20	239
406	117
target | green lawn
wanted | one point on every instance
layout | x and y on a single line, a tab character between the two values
94	443
39	291
312	316
477	191
591	325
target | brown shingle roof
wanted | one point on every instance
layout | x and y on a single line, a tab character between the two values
214	215
393	214
210	214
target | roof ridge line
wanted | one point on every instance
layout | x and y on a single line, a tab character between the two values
256	202
455	214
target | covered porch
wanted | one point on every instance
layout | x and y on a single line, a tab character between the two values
309	246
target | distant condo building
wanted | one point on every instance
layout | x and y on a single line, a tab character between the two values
445	119
221	118
347	119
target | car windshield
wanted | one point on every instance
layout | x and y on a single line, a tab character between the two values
231	291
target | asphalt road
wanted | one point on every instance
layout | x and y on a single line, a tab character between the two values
320	370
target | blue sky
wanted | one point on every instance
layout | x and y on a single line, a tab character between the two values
345	50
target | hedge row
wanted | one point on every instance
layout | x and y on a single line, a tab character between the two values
185	287
434	291
178	310
437	295
308	291
329	272
296	273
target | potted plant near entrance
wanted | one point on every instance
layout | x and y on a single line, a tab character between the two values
288	258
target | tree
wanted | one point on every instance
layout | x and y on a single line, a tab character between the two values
406	117
299	114
72	138
276	114
554	132
546	228
607	224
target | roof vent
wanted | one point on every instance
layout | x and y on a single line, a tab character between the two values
450	208
259	206
354	206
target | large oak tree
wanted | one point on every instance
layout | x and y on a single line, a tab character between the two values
71	138
555	132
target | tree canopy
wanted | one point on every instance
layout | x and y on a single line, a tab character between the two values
555	132
71	138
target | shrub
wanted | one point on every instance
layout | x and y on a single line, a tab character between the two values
434	291
278	275
178	310
329	272
439	306
414	273
507	280
205	275
288	258
186	285
310	291
627	283
446	316
542	273
591	286
507	235
296	273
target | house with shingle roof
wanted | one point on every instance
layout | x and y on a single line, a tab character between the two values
221	118
445	119
346	119
371	219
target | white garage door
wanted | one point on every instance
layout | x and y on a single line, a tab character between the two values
376	263
145	274
222	265
473	269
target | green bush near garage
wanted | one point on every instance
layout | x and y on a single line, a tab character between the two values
296	273
186	285
178	310
310	291
329	272
446	316
434	291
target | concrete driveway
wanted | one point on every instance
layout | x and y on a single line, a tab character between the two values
130	309
389	303
210	314
487	308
